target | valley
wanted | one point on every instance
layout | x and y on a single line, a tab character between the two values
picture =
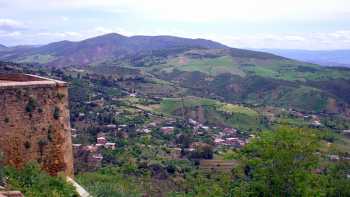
179	117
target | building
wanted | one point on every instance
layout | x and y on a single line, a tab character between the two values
219	141
192	122
167	130
101	140
111	126
316	123
76	148
346	132
236	142
34	123
110	145
230	131
146	130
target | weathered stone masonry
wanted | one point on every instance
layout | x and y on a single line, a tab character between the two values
34	123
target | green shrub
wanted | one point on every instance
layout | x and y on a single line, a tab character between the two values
33	182
31	105
280	163
60	96
110	182
56	113
50	133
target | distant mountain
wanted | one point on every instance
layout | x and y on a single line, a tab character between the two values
325	58
204	68
2	47
102	48
115	47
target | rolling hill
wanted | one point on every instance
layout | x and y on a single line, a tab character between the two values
201	68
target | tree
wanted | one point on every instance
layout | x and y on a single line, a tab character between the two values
338	183
184	140
204	151
280	163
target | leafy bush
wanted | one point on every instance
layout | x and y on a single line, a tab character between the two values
203	152
109	182
33	182
31	105
198	184
56	113
280	163
60	96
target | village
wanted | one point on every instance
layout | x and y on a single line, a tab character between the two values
225	138
145	122
165	138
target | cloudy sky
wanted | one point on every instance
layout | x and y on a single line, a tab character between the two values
294	24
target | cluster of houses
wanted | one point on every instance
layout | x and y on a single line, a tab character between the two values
91	154
226	137
198	128
166	129
315	120
229	137
102	142
336	157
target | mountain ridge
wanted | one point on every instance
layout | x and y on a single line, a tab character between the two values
2	47
111	46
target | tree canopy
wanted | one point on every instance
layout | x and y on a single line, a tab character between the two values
286	162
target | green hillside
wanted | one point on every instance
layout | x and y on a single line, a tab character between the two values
210	66
202	68
213	112
224	62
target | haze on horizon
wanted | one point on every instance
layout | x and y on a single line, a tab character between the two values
289	24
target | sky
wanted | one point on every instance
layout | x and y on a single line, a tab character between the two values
285	24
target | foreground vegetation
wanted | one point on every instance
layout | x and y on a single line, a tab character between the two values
285	162
33	182
289	162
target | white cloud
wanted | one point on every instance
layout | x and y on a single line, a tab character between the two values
202	10
10	34
73	20
64	18
54	36
319	40
10	25
63	35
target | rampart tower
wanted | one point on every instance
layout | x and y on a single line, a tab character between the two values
34	123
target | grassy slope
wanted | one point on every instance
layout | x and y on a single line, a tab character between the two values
304	98
170	105
210	66
215	112
271	68
300	96
293	71
41	59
